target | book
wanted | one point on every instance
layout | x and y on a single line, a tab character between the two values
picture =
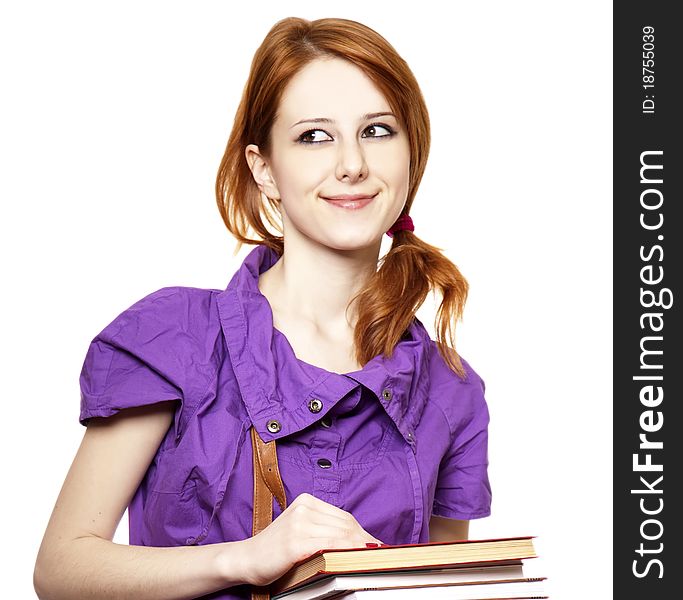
405	557
491	590
332	585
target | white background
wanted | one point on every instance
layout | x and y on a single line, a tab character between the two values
114	119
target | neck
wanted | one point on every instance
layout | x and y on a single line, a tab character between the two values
313	284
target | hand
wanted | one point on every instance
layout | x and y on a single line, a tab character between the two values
307	525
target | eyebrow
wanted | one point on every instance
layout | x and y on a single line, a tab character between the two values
365	117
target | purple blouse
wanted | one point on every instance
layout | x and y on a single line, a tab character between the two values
400	440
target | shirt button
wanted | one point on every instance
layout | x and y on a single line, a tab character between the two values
324	463
326	421
274	426
386	394
410	436
315	405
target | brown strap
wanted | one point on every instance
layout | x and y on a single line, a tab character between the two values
268	468
267	483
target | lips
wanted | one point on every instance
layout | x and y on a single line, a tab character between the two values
350	197
350	201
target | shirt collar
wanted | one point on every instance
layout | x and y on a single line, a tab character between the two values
277	386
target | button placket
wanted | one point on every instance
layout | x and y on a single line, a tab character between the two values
324	456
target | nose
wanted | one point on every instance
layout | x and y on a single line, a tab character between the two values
351	161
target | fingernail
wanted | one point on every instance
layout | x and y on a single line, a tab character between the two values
371	545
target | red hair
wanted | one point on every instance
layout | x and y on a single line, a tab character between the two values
387	304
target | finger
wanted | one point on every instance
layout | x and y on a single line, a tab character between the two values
313	510
353	527
333	542
306	548
326	507
356	537
322	531
334	520
321	539
324	513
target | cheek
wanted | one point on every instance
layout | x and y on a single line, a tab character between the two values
392	163
296	175
397	171
302	172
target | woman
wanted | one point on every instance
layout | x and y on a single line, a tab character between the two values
381	432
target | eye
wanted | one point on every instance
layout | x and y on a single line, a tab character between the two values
307	134
375	126
306	137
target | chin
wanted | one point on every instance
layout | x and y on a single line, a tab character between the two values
353	242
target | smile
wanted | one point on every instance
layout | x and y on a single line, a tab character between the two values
350	203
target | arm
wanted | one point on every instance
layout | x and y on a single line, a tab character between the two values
447	530
77	558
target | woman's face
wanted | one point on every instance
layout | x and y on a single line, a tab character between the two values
354	151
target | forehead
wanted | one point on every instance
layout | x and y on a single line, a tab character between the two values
330	87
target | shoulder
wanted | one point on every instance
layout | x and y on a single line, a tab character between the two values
171	301
166	345
166	310
174	330
462	400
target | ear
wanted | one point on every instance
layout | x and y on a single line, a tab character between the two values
260	170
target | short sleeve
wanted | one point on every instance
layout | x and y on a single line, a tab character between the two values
463	490
132	361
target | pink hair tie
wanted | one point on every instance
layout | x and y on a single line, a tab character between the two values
404	222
